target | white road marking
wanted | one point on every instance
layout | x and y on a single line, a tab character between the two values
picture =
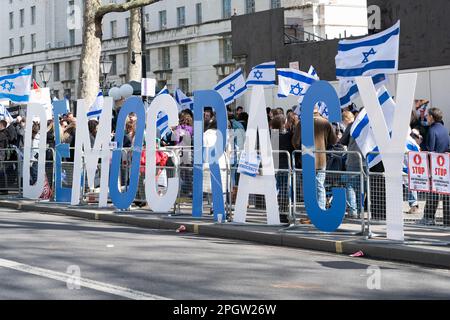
91	284
110	246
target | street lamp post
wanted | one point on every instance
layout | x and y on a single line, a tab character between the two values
105	69
45	75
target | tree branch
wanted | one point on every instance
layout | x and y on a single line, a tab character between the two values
114	7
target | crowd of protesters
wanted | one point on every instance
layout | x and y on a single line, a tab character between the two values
336	151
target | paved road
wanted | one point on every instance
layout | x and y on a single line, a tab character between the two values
40	255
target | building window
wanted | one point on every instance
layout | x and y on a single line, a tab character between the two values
181	16
113	25
11	47
226	9
33	41
147	20
113	59
163	20
184	85
184	56
249	6
56	72
147	61
69	70
72	37
22	44
199	13
127	27
33	15
227	50
165	58
11	20
22	17
275	4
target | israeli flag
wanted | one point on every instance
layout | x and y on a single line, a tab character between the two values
312	71
369	56
16	87
263	74
232	87
348	90
96	109
162	124
363	134
5	115
163	91
323	110
183	101
293	82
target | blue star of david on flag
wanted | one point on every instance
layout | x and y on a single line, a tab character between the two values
368	54
232	88
296	90
258	74
9	84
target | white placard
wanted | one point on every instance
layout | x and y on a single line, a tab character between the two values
418	172
148	87
440	173
42	96
249	164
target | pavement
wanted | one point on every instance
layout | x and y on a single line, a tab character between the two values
60	257
428	246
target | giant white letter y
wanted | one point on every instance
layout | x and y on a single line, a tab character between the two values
391	145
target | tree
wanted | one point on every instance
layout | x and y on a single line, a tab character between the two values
94	11
134	70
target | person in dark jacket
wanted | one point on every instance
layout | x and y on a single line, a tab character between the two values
437	141
282	143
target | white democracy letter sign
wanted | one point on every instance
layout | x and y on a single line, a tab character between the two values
418	172
264	184
440	173
92	155
391	145
159	203
35	111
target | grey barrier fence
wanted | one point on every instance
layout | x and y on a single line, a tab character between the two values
10	171
421	209
257	203
184	157
366	190
354	181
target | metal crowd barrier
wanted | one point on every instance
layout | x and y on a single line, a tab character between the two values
353	181
416	205
367	189
257	205
10	172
